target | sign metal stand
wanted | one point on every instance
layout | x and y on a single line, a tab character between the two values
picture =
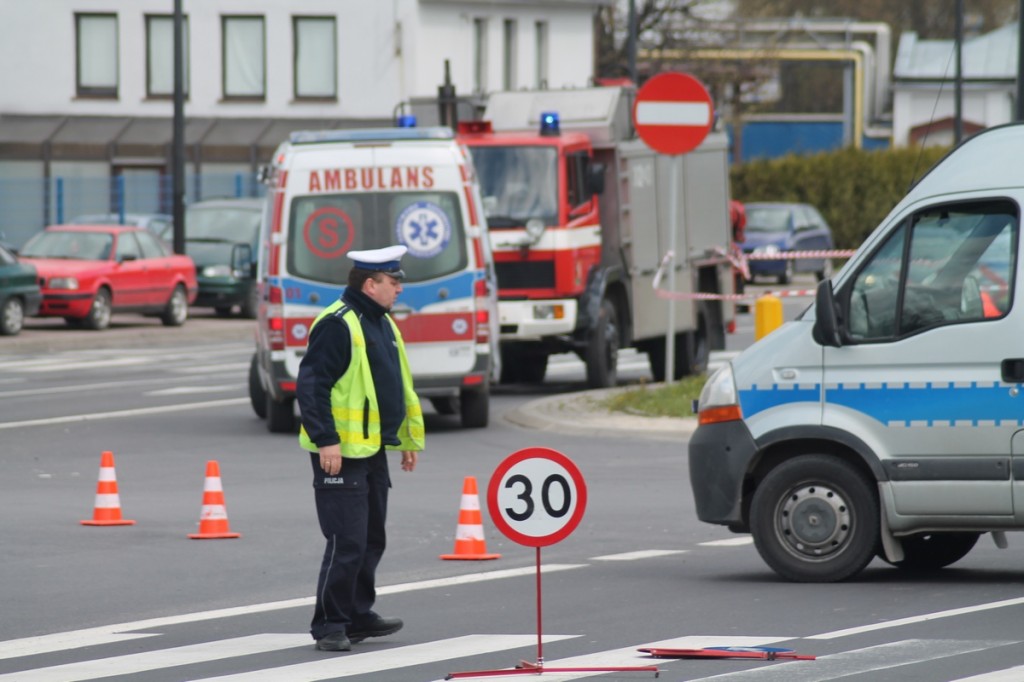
512	495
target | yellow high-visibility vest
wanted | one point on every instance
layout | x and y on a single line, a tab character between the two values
354	398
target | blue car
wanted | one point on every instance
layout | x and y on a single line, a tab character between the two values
774	228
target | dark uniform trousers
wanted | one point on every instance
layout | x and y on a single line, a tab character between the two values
352	509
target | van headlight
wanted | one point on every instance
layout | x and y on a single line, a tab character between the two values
217	271
719	399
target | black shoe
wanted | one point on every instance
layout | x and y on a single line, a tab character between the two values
378	627
336	641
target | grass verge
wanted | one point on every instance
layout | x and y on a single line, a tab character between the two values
661	400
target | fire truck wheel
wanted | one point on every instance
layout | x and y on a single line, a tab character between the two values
474	408
257	396
815	518
932	551
602	354
281	415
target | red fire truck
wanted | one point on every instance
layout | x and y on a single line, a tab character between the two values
577	207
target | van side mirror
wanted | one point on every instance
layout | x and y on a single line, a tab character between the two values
826	323
241	260
595	178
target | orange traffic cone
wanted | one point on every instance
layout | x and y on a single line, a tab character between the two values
213	520
469	534
107	510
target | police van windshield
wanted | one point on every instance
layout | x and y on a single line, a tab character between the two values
323	228
518	183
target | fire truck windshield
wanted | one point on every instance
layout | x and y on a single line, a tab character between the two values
518	183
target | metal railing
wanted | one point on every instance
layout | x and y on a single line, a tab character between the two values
27	205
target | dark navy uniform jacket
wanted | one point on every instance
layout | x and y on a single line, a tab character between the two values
328	357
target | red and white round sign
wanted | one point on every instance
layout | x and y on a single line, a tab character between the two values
673	113
536	497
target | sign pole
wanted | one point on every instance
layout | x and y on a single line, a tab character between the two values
670	333
537	497
672	114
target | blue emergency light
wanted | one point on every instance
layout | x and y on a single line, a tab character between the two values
406	121
549	123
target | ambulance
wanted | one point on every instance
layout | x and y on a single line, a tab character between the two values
888	419
331	192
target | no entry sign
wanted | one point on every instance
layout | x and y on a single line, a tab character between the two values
536	497
673	113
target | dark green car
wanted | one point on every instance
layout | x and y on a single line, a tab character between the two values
221	237
19	292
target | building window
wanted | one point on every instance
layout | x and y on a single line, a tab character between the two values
316	58
96	55
160	55
480	55
541	58
509	72
244	58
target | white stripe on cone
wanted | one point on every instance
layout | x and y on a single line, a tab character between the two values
213	485
213	512
107	474
470	502
469	532
108	501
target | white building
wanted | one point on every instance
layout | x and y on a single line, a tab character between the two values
88	84
923	86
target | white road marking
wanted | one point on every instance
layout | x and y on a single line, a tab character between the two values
74	639
949	613
633	556
860	661
1015	674
729	542
189	390
388	659
79	365
98	416
236	367
161	658
629	656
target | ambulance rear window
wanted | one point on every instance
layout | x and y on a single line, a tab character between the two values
324	227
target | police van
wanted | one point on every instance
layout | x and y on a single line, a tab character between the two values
331	192
888	420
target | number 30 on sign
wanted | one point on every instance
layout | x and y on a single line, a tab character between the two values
537	497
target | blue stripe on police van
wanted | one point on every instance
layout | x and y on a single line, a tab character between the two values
902	403
755	399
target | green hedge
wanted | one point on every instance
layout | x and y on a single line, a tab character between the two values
853	189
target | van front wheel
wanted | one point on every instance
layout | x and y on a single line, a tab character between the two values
815	518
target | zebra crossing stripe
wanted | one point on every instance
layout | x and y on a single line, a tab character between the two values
160	659
349	665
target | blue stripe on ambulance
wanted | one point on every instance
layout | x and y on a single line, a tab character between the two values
414	295
901	403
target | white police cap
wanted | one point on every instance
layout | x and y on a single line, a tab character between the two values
384	260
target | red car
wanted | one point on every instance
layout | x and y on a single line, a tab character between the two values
88	272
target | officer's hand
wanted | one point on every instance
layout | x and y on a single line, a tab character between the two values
408	460
330	459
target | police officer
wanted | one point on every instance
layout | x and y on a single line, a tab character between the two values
356	396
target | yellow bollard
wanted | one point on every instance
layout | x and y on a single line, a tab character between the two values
767	315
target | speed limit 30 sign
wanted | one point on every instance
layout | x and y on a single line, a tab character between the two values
537	497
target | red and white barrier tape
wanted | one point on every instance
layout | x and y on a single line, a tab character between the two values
794	255
704	296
